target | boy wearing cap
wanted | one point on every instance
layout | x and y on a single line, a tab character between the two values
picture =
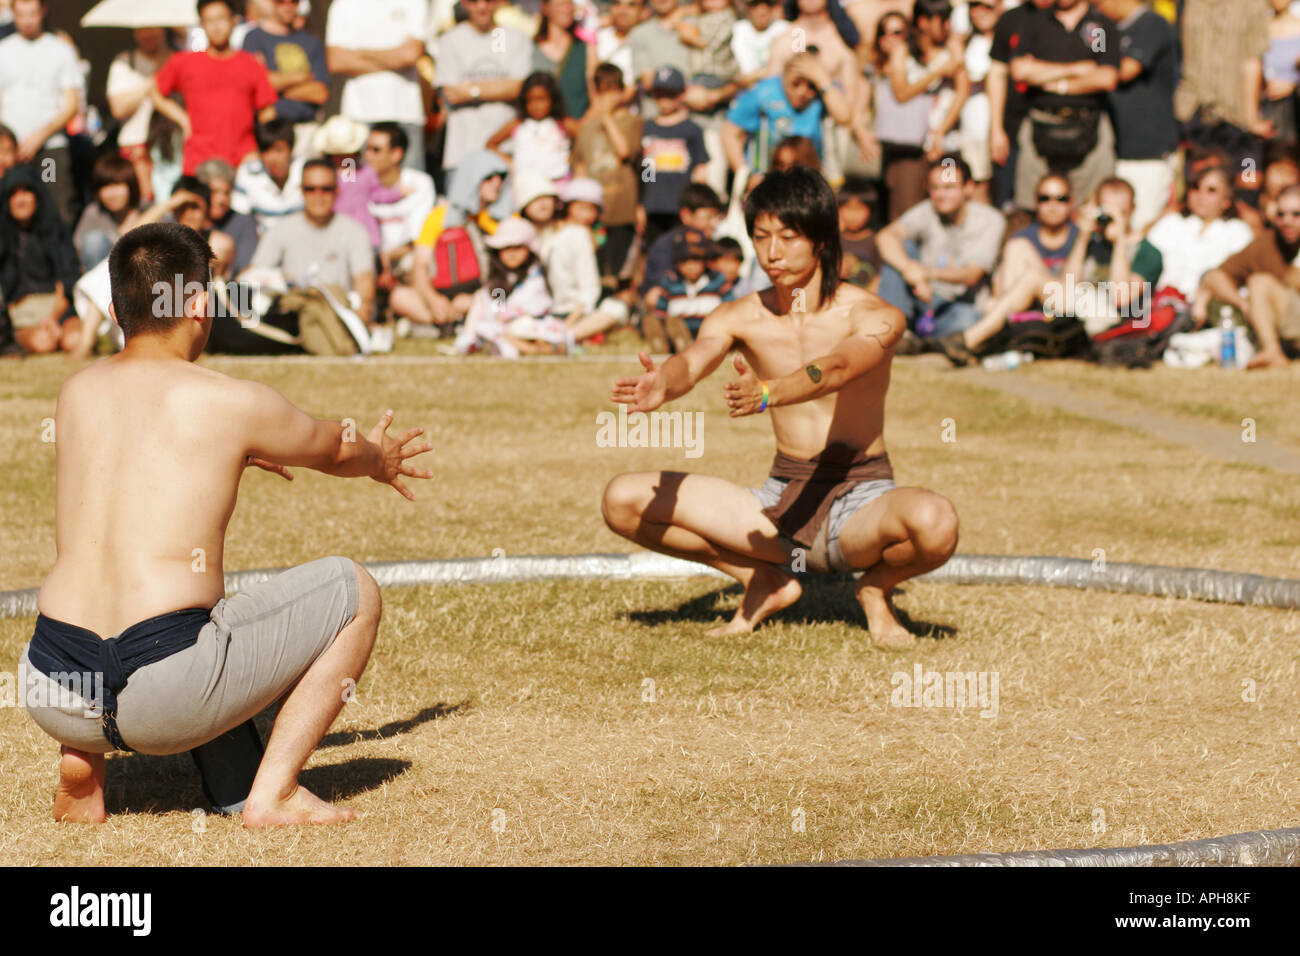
689	292
673	153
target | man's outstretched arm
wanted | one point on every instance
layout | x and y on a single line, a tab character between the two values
282	434
683	371
876	330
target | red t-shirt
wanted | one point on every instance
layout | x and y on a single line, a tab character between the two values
222	98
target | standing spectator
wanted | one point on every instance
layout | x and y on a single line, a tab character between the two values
940	254
226	93
753	38
481	68
297	67
1142	106
1070	61
219	177
1218	97
1282	70
674	152
111	214
608	149
400	222
376	44
612	42
975	112
539	136
657	46
268	186
40	90
1266	269
1008	101
38	265
866	16
557	50
130	77
1203	235
316	247
941	50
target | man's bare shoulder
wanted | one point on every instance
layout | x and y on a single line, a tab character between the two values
873	317
732	317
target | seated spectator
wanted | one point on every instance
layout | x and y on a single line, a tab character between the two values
1203	235
316	247
226	93
1266	269
791	104
130	77
537	199
560	53
728	260
219	177
860	263
1032	258
751	41
450	253
268	186
509	316
400	220
608	149
698	209
674	154
569	256
340	140
38	265
1281	169
688	292
540	131
940	254
112	213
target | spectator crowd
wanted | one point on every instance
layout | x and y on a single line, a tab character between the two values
522	178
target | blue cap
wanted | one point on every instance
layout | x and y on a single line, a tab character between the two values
668	80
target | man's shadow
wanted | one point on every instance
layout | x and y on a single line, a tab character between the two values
826	599
144	783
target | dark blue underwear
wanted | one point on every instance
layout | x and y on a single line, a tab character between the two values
57	648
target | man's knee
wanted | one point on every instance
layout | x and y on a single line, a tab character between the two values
934	526
1263	286
370	603
623	502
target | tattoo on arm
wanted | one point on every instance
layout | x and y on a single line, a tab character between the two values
885	336
814	372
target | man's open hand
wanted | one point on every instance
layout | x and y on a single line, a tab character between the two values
645	392
394	454
745	394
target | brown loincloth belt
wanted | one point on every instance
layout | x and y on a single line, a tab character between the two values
814	484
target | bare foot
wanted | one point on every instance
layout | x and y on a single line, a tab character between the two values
1268	360
301	806
80	797
882	622
768	591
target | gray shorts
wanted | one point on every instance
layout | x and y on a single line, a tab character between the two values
254	648
825	555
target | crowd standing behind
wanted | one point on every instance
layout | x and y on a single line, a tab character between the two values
522	179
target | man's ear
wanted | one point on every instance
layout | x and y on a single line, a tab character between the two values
196	307
112	314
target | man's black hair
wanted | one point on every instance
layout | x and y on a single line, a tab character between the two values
860	188
229	5
397	138
803	201
272	132
144	268
7	133
319	163
951	161
699	196
726	246
192	184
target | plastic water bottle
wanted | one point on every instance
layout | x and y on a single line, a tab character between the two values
1228	345
1007	361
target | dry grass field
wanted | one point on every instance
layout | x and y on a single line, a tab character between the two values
565	722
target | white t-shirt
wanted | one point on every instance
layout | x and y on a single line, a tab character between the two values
610	48
1189	253
401	222
753	49
467	56
124	77
379	25
542	145
34	74
569	256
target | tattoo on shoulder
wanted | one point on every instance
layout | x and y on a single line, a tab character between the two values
814	372
886	336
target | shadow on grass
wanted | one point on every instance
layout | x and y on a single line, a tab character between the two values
825	600
440	709
341	781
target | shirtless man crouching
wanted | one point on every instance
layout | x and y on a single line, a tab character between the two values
150	450
816	352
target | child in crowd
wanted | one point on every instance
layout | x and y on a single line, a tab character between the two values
535	199
541	133
860	265
569	256
608	149
728	258
751	41
674	151
510	315
708	35
698	208
689	292
975	111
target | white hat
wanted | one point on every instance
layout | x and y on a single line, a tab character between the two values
530	185
339	136
583	189
513	232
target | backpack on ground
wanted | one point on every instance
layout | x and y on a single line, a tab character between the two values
456	263
1051	338
1140	342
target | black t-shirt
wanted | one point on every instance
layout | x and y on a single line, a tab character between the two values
1143	111
35	270
1096	38
670	153
1008	37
